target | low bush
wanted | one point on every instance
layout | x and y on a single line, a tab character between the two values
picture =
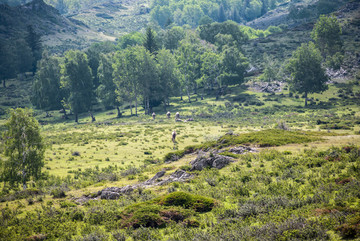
189	201
58	193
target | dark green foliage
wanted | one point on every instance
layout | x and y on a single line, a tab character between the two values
47	94
176	207
77	79
188	201
334	62
150	41
7	62
58	193
208	32
34	42
93	54
129	40
326	33
268	138
174	156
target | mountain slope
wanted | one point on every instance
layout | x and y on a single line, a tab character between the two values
116	17
58	32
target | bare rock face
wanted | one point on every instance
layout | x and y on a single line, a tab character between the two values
111	193
153	180
242	149
178	176
205	160
115	192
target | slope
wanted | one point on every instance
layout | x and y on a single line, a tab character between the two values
58	32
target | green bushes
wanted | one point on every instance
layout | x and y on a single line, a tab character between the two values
152	215
267	138
189	201
174	207
58	193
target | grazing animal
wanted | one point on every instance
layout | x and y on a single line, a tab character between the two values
173	136
153	115
177	115
168	114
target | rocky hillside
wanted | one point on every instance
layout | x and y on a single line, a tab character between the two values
116	17
57	31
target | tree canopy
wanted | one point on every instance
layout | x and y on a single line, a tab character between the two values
77	79
327	33
307	73
23	148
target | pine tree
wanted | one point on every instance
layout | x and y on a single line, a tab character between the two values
222	16
150	41
34	42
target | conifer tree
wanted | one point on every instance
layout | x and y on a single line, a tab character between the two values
150	41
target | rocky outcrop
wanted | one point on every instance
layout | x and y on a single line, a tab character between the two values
155	178
178	176
241	150
204	160
112	193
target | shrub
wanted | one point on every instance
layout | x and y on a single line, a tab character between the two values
58	193
187	200
174	156
152	215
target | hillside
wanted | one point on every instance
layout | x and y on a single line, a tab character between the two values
115	18
58	32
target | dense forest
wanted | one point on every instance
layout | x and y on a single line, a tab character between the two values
201	120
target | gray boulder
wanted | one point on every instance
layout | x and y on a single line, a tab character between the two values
155	178
204	160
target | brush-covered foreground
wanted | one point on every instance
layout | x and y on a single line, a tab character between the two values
271	195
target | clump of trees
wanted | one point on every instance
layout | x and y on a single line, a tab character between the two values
174	62
194	13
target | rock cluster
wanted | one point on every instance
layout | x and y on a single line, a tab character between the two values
204	160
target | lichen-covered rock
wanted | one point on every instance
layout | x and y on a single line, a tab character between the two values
109	195
204	160
155	178
178	176
242	149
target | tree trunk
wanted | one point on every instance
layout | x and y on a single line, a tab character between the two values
92	117
24	180
306	98
136	105
76	117
118	112
165	104
188	94
65	115
4	83
218	94
131	112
